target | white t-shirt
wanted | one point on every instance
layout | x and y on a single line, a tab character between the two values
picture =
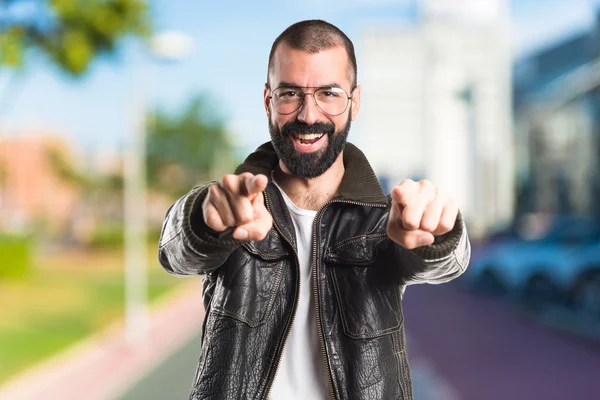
301	374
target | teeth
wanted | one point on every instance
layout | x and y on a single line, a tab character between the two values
309	136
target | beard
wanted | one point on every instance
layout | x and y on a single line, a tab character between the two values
308	165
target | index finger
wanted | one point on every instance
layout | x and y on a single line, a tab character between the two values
404	192
255	184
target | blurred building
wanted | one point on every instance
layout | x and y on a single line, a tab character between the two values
557	119
437	105
33	194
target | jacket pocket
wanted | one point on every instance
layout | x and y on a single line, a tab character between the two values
365	287
247	284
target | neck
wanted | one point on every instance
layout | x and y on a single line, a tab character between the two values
311	194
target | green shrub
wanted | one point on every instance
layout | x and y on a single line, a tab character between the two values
15	256
107	236
112	236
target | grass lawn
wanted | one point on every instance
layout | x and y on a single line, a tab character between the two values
66	298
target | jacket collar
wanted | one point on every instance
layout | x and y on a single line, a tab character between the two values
358	184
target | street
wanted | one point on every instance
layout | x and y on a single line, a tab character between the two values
489	349
461	347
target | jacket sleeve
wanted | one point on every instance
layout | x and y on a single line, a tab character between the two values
187	246
447	258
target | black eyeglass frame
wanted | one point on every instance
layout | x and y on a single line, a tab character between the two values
304	94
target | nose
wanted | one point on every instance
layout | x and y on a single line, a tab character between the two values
309	112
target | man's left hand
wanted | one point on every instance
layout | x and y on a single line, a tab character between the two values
420	211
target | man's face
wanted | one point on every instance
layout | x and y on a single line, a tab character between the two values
308	140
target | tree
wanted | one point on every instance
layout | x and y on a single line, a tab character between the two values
100	198
72	33
184	149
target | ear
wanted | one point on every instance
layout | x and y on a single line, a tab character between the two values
355	102
267	100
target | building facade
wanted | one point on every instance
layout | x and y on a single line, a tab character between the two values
557	120
437	105
33	194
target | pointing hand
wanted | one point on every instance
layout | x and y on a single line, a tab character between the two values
237	201
420	211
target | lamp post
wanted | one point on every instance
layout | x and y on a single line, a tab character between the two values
166	45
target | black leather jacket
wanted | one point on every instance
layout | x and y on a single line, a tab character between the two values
359	276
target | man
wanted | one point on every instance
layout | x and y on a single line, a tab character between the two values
305	260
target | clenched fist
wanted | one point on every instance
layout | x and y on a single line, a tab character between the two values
419	212
237	201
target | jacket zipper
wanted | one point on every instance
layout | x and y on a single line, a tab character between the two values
330	381
317	222
287	333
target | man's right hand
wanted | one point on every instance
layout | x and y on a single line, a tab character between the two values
237	201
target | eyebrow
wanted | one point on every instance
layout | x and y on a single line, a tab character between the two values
293	85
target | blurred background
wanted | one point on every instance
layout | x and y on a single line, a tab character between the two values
112	109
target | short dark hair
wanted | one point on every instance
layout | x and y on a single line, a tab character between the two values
314	36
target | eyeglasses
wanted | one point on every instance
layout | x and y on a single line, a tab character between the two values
330	99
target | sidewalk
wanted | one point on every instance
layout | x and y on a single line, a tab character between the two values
103	366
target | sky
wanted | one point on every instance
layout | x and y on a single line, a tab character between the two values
231	43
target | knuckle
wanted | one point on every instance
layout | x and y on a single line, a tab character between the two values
213	191
406	182
411	222
428	225
426	184
213	220
447	225
411	225
228	219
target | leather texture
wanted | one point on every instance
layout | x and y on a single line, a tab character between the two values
251	288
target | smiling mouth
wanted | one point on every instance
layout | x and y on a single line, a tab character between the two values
307	138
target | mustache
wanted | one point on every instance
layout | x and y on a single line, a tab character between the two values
298	127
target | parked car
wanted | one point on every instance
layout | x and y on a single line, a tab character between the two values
543	259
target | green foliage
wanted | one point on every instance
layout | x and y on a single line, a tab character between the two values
64	300
15	257
112	236
107	236
11	49
65	169
184	149
71	32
